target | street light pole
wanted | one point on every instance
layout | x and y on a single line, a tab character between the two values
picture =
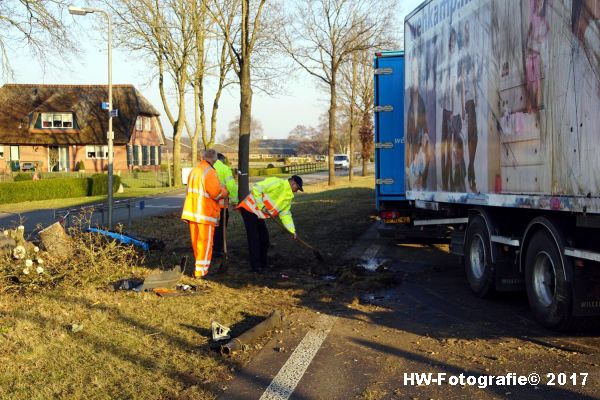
110	135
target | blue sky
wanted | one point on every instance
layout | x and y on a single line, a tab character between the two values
302	103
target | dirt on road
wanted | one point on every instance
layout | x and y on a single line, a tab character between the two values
425	322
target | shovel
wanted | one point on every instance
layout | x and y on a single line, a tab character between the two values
316	252
225	259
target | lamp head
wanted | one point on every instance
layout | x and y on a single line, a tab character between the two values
79	10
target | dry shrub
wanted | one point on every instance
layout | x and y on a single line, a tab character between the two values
95	260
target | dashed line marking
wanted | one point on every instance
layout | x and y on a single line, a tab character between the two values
284	383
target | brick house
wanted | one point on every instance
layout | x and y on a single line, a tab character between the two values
53	127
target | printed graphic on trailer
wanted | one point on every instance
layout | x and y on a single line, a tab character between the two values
502	97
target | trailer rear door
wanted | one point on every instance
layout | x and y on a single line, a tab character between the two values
389	125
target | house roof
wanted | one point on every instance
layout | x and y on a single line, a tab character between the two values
275	146
22	103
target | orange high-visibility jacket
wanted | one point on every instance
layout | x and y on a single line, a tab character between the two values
203	194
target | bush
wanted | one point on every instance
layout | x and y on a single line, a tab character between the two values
80	166
98	184
23	176
33	270
45	189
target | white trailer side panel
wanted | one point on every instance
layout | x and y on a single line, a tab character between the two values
502	103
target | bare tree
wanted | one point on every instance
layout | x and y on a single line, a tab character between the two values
197	74
241	37
39	24
357	101
321	35
349	97
233	129
203	66
161	29
365	106
365	134
223	66
302	132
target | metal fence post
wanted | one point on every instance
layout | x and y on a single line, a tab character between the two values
129	215
142	206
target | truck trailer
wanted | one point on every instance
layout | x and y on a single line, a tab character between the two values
487	131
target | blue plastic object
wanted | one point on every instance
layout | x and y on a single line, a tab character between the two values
122	238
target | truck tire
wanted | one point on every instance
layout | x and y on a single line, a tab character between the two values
548	292
477	260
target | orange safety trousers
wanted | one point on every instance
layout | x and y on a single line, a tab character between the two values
202	243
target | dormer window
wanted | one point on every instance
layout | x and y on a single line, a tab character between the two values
57	120
143	124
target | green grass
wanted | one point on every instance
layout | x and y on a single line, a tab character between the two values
79	201
140	346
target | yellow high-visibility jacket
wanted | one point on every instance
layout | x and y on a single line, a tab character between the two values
227	181
274	194
203	194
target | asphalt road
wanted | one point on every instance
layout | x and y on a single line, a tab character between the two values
156	205
429	323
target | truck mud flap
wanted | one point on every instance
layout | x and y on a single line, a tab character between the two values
586	290
508	279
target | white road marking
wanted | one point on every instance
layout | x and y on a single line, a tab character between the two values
371	251
284	383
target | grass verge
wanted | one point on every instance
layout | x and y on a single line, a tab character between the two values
140	346
80	201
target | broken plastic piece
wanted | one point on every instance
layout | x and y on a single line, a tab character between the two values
144	243
219	332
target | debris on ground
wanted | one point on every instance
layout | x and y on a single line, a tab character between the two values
74	328
144	243
374	264
273	321
134	284
163	283
56	241
219	332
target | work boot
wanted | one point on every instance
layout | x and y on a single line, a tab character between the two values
223	267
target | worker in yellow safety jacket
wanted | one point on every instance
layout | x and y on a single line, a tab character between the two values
201	209
269	198
228	182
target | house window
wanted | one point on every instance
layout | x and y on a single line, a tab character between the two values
14	153
147	124
153	155
57	120
137	157
138	124
96	152
129	149
46	120
1	151
146	155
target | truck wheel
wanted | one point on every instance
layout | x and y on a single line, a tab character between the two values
478	262
548	292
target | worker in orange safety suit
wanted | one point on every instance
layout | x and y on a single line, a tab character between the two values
201	209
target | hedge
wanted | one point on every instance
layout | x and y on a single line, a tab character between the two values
98	184
23	176
45	189
266	171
